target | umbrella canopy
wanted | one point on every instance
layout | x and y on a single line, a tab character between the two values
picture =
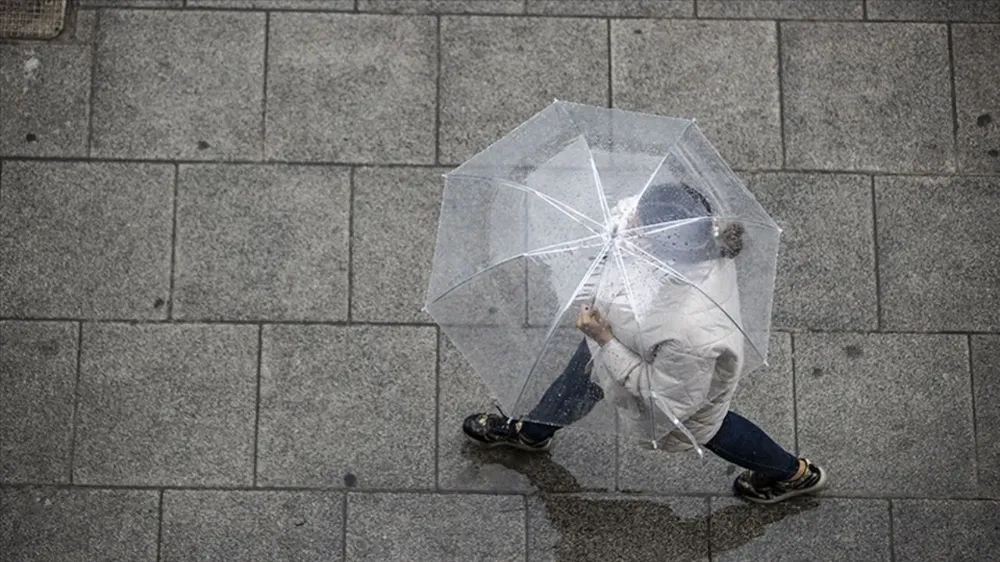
634	215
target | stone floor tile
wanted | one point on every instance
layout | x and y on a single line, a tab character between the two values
958	531
169	85
801	529
37	392
336	402
826	276
621	528
267	525
406	527
262	242
497	72
44	100
395	228
57	525
887	414
976	49
339	91
87	240
722	73
867	97
166	405
938	253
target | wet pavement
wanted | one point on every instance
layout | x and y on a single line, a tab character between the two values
217	219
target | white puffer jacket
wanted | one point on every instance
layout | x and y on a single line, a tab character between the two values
686	360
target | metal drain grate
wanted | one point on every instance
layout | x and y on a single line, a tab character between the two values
31	19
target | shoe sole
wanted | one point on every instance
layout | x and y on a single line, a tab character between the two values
518	446
817	488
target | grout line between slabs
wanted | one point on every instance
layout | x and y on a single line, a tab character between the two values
892	539
422	165
159	527
173	246
350	244
263	105
721	494
696	9
76	400
781	97
864	10
343	527
954	98
256	417
611	93
527	528
437	94
795	398
94	40
875	249
975	422
437	411
534	15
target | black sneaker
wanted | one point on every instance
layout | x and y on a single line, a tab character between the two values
491	430
754	487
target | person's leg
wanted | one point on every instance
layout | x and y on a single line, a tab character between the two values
568	399
742	443
773	473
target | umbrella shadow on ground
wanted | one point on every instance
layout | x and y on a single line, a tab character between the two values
568	526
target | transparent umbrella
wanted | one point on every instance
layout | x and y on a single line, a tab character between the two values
634	216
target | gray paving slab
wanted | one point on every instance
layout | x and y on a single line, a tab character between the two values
252	525
442	6
339	91
44	100
621	528
722	73
958	531
826	267
802	529
169	85
395	228
63	525
976	50
262	242
166	405
578	460
631	8
498	72
986	392
130	3
936	10
332	5
766	397
887	414
782	9
333	404
88	240
37	392
869	96
937	254
405	527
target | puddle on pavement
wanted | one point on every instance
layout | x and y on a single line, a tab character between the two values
569	524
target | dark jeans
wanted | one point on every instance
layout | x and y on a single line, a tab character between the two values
573	395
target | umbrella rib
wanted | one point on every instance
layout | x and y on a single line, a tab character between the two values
641	254
569	246
555	322
664	159
585	221
650	229
605	210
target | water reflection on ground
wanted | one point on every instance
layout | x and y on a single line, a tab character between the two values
567	523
